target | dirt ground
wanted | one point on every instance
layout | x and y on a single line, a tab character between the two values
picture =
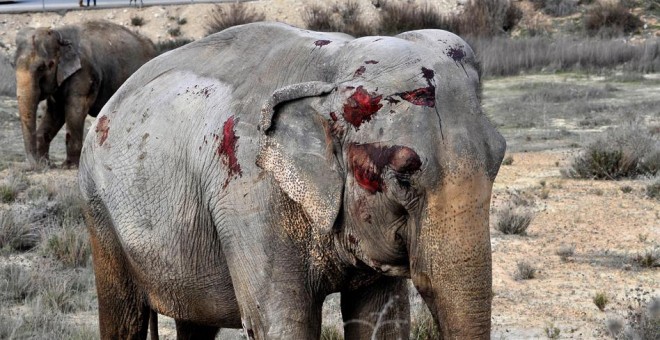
606	226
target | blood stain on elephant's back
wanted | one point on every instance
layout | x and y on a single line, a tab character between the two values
227	150
321	43
102	129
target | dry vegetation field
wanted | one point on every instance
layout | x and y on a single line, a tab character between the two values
575	223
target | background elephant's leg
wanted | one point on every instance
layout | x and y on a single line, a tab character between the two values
123	309
76	112
382	307
50	124
186	330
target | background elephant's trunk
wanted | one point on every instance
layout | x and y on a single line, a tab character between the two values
451	259
27	94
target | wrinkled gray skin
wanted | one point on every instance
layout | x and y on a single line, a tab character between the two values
370	163
76	69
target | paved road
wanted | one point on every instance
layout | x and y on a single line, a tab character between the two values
52	5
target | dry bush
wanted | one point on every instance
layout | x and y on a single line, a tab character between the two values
14	183
610	18
653	189
625	151
513	219
343	17
524	271
485	18
238	14
566	251
168	45
649	259
137	21
397	17
556	8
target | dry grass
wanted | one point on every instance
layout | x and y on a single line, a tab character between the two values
501	56
16	234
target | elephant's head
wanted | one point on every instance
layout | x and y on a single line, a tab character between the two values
45	58
395	157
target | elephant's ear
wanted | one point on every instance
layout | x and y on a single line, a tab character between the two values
297	148
69	59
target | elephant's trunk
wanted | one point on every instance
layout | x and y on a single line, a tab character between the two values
451	259
27	94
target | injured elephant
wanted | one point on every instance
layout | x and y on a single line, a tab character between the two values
237	181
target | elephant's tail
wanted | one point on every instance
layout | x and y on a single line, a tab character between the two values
153	324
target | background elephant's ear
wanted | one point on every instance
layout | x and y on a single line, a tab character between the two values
298	151
69	59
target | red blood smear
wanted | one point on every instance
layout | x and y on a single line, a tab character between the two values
321	43
361	106
424	96
368	160
227	151
371	62
102	128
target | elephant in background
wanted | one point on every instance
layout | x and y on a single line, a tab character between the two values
76	69
238	180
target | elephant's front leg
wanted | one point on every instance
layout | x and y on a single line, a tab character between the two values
279	306
378	311
50	124
75	114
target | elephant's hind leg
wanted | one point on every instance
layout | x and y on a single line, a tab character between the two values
123	309
186	330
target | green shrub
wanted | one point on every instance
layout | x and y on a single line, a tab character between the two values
238	14
625	151
601	300
610	18
508	160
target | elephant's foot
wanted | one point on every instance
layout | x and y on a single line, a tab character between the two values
69	164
